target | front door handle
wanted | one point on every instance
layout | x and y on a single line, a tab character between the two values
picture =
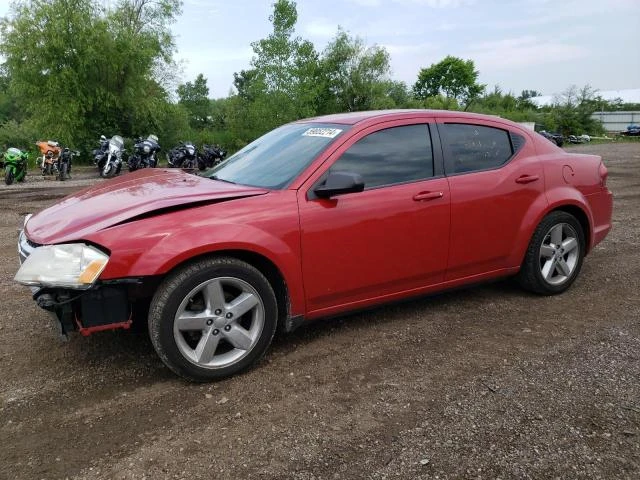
424	196
527	178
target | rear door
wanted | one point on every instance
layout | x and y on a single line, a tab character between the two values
390	238
494	178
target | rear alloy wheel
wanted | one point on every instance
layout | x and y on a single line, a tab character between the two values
213	318
555	254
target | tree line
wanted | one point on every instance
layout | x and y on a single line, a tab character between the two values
74	70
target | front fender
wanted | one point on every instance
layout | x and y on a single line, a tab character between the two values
154	246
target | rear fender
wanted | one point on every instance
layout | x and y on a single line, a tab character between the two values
556	199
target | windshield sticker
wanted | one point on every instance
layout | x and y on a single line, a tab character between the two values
322	132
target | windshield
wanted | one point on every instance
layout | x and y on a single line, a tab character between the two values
117	142
277	158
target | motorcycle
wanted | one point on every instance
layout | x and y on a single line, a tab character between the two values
50	151
211	156
64	163
15	165
185	155
113	162
144	153
100	154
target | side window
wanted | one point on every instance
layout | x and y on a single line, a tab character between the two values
390	156
471	148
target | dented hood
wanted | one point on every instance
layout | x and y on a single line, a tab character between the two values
132	195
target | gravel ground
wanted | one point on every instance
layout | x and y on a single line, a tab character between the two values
487	382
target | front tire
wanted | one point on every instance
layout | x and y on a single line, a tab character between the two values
106	171
213	318
555	255
8	176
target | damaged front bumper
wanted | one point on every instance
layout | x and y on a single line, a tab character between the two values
104	306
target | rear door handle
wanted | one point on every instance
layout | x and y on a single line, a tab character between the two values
527	178
425	196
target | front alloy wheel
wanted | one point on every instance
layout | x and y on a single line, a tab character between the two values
213	318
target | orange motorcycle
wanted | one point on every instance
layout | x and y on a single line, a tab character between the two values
50	151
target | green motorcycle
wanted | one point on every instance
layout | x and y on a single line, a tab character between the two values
15	165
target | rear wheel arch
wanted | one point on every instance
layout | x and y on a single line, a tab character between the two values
582	218
532	220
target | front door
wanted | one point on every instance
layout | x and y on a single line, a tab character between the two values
390	238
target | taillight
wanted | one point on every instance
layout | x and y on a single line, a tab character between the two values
604	173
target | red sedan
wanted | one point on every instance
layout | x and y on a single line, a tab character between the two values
316	218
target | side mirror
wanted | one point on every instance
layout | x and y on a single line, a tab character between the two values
338	183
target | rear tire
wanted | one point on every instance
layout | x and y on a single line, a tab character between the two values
555	254
63	172
213	318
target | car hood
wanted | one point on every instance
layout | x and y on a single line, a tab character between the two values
142	193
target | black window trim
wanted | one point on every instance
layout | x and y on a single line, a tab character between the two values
436	151
447	154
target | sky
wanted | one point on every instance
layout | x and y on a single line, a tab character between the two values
541	45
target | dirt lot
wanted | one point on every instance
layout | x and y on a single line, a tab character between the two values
482	383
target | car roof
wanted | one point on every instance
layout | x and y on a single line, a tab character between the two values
353	118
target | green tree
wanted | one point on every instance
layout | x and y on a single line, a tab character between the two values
195	98
356	77
285	68
571	111
78	70
452	77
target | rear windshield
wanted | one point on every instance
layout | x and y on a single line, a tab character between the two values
274	160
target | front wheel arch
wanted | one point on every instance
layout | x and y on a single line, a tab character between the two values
265	266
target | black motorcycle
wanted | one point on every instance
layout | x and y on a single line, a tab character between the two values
101	154
64	163
185	155
211	155
145	153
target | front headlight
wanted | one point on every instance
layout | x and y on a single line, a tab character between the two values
147	149
73	265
